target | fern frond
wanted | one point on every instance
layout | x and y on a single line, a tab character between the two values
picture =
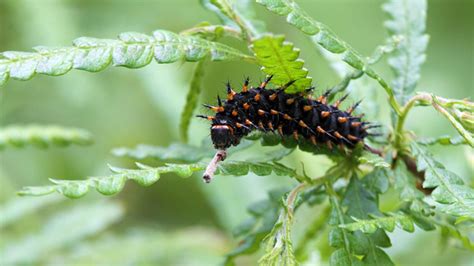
112	184
387	223
279	246
408	20
280	59
449	189
323	36
131	49
147	176
42	136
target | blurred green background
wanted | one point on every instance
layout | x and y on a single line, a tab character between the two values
183	221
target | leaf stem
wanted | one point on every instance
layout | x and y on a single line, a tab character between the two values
398	134
439	104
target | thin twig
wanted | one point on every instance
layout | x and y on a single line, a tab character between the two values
212	166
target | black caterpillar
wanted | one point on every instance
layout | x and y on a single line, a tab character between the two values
297	115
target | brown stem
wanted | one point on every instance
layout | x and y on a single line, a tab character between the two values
212	166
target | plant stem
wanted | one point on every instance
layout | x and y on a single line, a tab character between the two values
439	104
290	200
402	117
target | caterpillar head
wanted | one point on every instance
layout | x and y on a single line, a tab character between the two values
222	136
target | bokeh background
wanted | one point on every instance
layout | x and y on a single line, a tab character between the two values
183	221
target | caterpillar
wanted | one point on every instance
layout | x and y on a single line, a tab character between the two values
296	115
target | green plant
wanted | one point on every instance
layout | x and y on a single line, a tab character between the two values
349	191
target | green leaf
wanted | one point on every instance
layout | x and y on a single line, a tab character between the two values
373	159
112	184
405	184
191	100
377	181
341	257
408	22
239	168
359	201
386	223
147	176
279	246
323	36
338	237
131	49
377	257
135	50
457	198
361	204
42	136
280	59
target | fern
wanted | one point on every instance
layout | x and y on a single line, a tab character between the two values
354	185
112	184
327	39
42	136
457	198
280	59
147	176
132	50
408	19
360	200
279	247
